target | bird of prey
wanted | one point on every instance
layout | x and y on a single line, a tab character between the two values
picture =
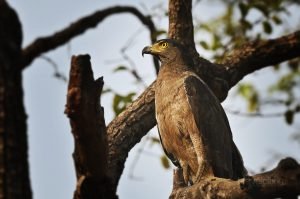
193	127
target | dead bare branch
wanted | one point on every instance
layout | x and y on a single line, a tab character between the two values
45	44
90	155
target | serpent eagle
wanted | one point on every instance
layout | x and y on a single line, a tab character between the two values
193	127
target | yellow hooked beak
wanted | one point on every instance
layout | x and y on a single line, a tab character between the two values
147	50
155	49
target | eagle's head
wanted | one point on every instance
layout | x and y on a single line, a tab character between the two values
165	50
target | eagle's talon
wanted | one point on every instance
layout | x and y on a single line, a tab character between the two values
185	172
199	174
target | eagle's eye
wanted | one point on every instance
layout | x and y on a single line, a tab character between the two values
164	45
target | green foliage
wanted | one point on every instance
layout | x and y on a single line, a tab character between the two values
289	116
204	45
244	8
287	84
121	68
106	90
276	20
121	101
237	24
155	140
165	161
294	65
249	20
160	32
250	94
267	27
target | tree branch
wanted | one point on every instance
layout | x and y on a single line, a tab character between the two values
283	181
260	54
90	155
129	127
181	26
44	44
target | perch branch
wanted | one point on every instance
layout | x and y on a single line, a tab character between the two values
89	131
283	181
128	128
45	44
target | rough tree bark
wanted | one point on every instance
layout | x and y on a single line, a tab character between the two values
130	126
283	181
89	131
127	129
14	171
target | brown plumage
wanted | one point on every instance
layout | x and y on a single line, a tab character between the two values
193	127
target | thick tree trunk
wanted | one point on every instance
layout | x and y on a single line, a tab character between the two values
14	171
